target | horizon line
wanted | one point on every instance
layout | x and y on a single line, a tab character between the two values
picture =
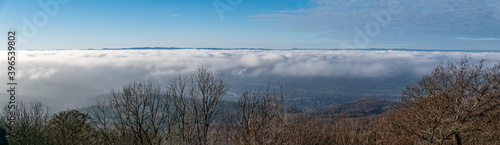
292	49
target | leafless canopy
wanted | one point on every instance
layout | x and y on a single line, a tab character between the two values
453	103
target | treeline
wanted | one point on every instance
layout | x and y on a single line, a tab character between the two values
457	103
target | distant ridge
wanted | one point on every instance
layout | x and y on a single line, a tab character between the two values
293	49
179	48
361	107
363	49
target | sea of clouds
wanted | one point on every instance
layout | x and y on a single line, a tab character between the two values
74	78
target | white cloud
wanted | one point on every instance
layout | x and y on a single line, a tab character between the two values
78	75
38	73
328	63
250	60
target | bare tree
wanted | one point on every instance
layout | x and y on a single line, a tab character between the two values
259	117
30	124
145	114
138	112
196	99
70	127
106	133
254	115
179	91
452	103
207	94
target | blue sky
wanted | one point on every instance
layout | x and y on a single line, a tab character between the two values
277	24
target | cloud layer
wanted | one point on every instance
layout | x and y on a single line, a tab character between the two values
72	76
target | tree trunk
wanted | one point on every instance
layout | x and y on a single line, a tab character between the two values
458	139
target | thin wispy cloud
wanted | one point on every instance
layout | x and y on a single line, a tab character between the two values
460	16
480	39
393	21
176	15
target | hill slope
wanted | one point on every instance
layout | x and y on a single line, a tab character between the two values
365	106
